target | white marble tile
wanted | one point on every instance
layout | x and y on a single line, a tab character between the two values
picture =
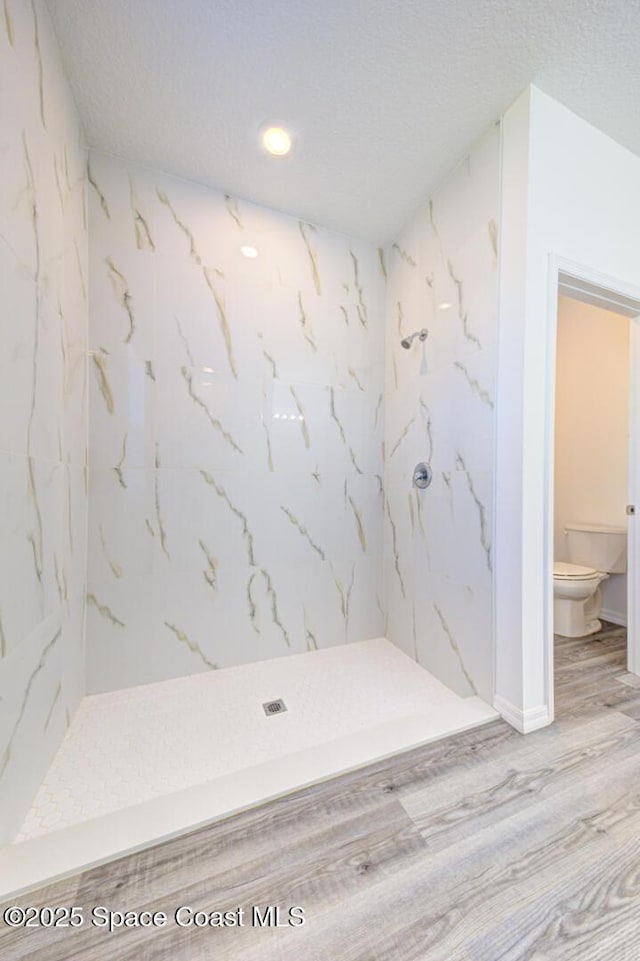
204	320
74	529
252	617
43	399
119	612
46	426
22	133
459	636
122	301
75	395
244	566
250	392
203	519
31	722
32	546
122	405
182	220
123	524
17	344
75	294
439	407
21	589
72	668
206	418
440	640
325	428
122	203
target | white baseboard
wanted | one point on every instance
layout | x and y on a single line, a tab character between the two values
523	721
614	616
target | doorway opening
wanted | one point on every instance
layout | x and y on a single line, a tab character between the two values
593	468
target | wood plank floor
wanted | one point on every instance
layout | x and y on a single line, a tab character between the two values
487	846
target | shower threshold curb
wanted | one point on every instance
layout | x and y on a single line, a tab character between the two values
51	857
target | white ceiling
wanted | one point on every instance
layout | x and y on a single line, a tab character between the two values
383	96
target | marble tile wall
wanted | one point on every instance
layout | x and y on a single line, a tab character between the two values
439	407
43	405
236	428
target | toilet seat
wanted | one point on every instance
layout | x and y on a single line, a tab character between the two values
569	572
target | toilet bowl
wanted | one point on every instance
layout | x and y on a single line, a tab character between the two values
577	599
594	552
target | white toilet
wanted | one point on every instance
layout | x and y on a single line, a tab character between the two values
594	552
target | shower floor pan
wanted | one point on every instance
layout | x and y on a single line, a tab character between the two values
147	763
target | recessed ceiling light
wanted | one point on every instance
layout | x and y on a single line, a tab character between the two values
277	141
248	251
444	305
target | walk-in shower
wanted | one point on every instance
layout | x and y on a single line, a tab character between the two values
209	504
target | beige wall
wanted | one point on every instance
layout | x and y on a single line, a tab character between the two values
592	425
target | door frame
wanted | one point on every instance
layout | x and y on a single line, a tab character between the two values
592	287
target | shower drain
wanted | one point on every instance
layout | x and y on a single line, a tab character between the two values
274	707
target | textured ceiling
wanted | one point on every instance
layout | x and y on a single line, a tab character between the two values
383	96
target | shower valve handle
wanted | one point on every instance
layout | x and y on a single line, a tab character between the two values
422	475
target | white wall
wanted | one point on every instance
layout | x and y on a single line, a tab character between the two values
43	342
236	416
439	400
568	192
592	428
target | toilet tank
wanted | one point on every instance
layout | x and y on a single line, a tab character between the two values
598	546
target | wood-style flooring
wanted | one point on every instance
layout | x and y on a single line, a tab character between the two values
486	846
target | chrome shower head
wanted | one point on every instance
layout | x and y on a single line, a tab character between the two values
406	342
